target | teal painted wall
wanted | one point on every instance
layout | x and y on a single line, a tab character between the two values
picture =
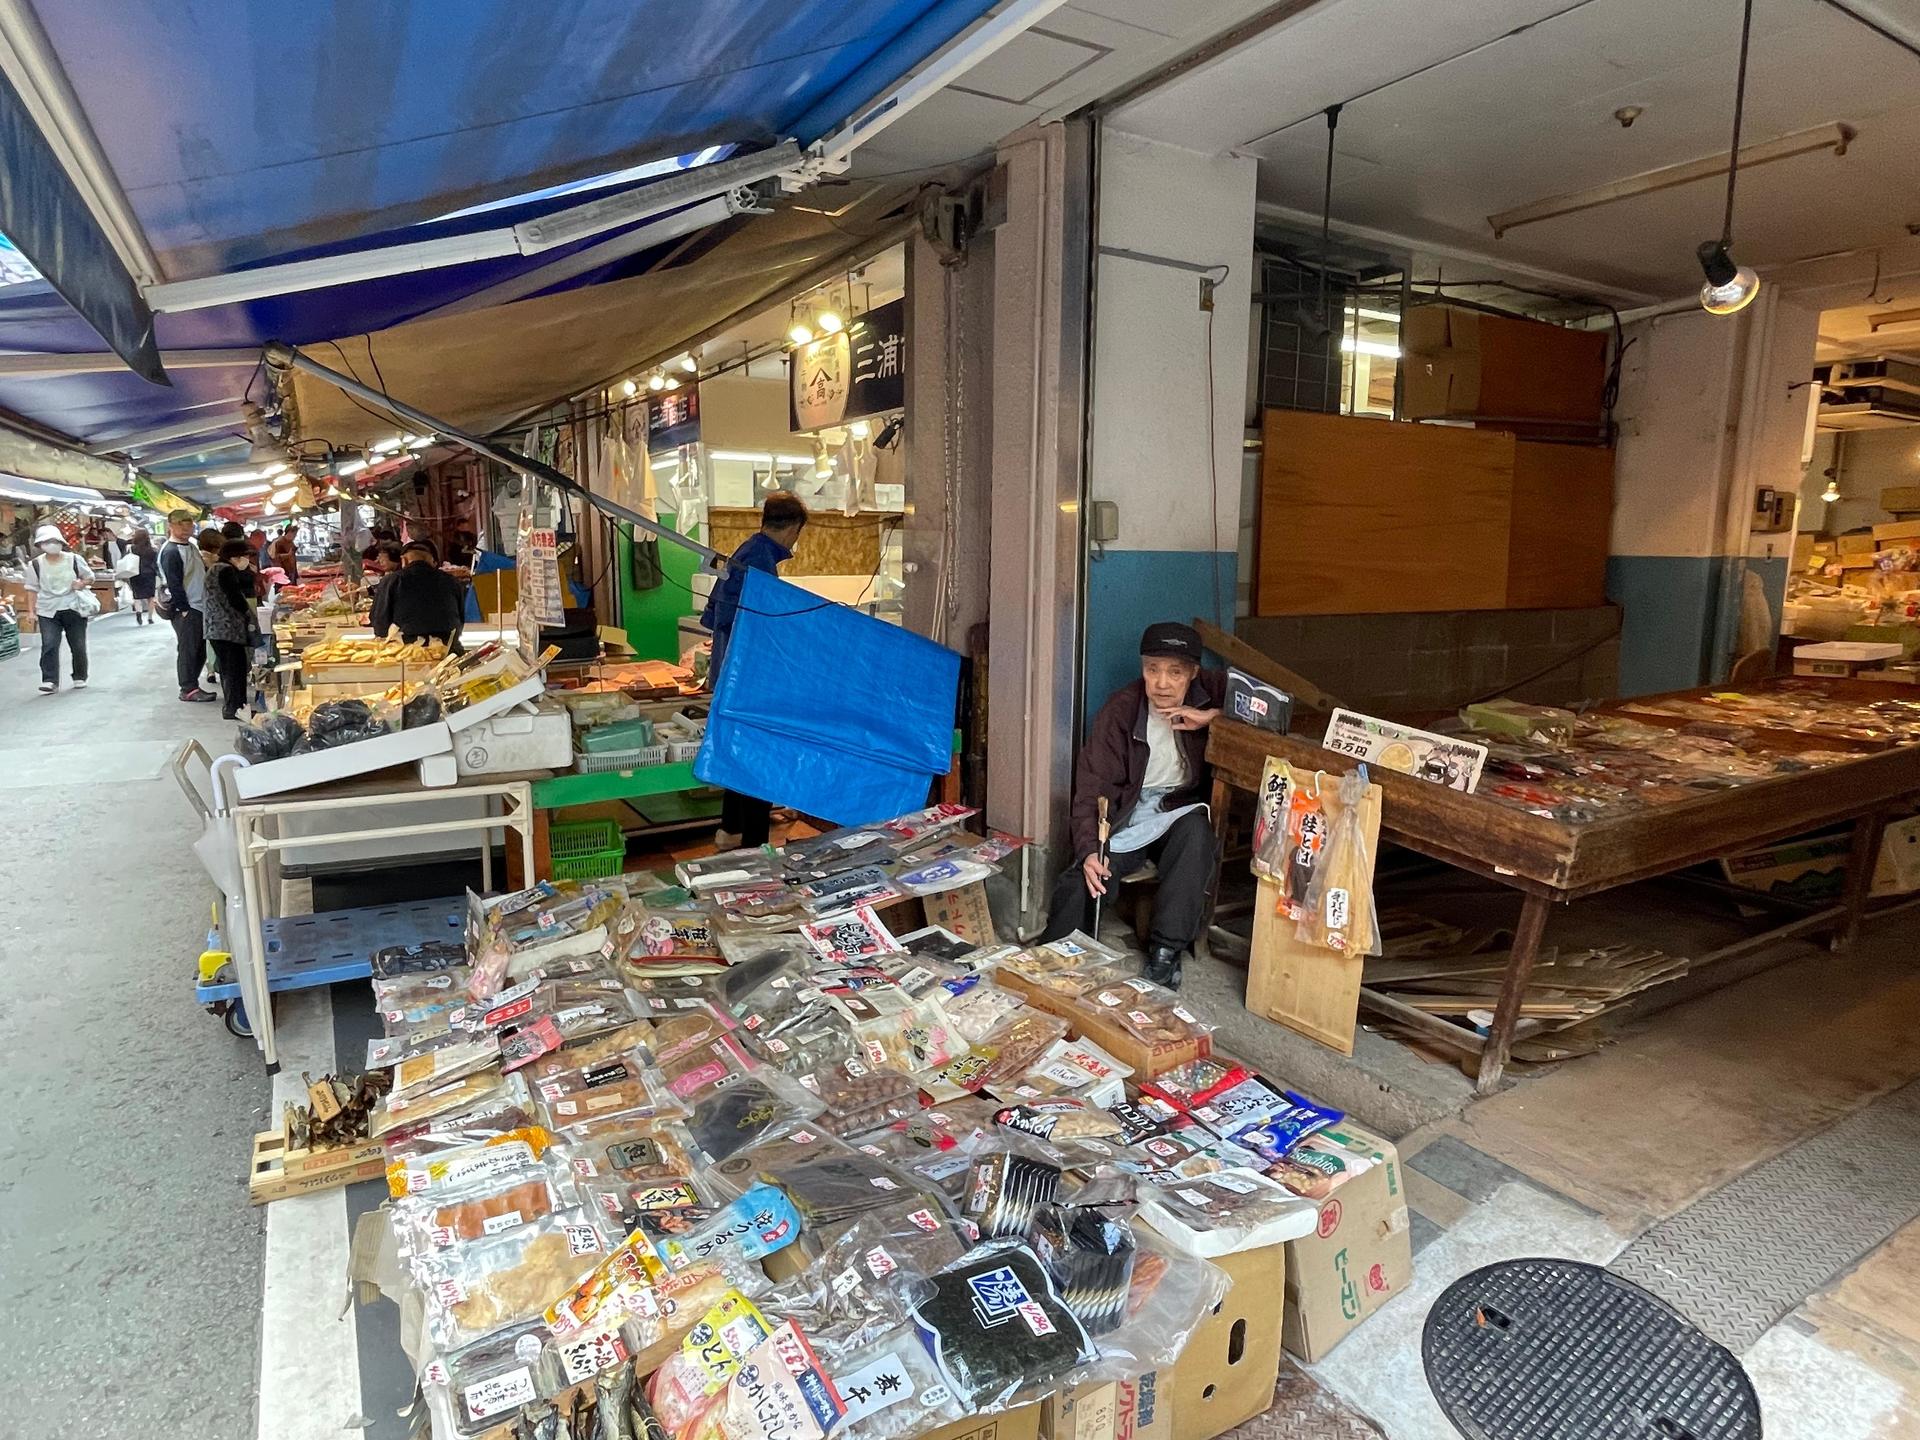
1127	590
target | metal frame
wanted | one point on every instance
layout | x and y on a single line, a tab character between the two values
257	848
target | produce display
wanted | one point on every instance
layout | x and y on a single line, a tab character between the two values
374	652
869	1194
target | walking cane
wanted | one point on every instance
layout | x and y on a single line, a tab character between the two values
1104	831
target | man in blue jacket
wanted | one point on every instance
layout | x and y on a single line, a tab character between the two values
745	820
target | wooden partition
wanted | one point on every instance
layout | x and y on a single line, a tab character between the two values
1361	517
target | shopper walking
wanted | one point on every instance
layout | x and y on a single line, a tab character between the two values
184	572
142	581
232	624
284	555
58	578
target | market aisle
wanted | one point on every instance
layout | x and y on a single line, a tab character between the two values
128	1245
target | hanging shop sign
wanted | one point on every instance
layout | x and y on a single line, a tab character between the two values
1420	753
858	372
673	419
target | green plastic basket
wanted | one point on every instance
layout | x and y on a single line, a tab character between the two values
586	849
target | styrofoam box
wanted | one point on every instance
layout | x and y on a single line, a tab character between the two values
296	772
1860	650
531	688
517	740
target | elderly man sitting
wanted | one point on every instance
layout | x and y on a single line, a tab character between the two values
1146	755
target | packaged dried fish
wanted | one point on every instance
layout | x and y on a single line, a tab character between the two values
479	1386
638	1152
477	1288
759	1107
425	958
482	1087
1064	1119
750	1227
837	1185
660	1209
1209	1215
478	1166
698	1071
892	1389
998	1329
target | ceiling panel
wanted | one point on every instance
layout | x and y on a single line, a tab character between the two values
1029	65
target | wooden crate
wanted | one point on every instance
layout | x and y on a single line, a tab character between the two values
280	1170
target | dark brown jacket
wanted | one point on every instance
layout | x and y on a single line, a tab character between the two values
1113	762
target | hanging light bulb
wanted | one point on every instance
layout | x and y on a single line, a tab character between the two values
800	334
656	381
1832	492
629	388
671	383
1729	285
689	364
860	429
830	323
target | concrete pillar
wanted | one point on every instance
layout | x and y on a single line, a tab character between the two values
1168	395
1706	415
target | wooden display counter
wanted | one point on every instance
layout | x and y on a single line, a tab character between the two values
1554	861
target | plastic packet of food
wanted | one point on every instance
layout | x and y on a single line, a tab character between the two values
1089	1254
665	1209
499	1116
481	1386
860	1097
1151	1013
1016	1046
426	958
1005	1191
486	1284
981	1009
1274	1139
781	1389
633	1098
750	1227
481	1087
1168	1294
762	1106
476	1166
892	1389
1229	1210
1256	1101
556	1080
812	1038
999	1331
670	936
698	1071
685	1030
618	1287
1272	804
433	1223
1062	1119
1337	911
638	1152
693	1376
398	991
837	1185
1196	1082
1188	1148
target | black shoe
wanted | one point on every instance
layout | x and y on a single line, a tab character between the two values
1163	966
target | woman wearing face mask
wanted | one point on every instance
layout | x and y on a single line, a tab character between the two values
232	623
58	578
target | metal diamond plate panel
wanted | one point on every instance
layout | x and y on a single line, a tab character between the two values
1737	1260
1556	1350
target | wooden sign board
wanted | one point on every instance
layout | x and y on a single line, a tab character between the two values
1301	986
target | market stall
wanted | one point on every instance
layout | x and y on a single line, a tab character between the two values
1642	788
734	1152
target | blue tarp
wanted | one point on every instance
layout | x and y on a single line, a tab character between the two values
826	710
251	131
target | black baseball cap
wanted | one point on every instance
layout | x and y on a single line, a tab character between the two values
1173	640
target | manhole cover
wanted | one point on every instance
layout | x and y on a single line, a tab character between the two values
1528	1349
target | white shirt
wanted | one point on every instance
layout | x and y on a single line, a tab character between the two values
1166	763
55	581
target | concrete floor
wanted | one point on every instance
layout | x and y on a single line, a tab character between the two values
129	1257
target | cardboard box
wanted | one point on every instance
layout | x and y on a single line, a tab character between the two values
1086	1412
1810	869
1860	542
1359	1256
1898	499
1145	1060
1145	1408
1897	530
1021	1424
1461	362
1226	1374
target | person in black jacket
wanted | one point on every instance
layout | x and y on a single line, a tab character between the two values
419	599
1146	754
232	624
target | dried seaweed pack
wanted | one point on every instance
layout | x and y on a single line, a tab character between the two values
999	1330
1089	1254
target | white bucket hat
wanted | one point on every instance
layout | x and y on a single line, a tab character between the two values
48	532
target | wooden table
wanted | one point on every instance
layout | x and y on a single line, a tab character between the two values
1550	861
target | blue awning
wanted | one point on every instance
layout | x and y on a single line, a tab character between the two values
249	131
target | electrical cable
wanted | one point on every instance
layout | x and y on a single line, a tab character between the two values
1739	112
1213	462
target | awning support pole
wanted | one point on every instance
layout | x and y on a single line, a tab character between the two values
283	356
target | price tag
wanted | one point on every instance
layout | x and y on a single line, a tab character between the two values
499	1393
